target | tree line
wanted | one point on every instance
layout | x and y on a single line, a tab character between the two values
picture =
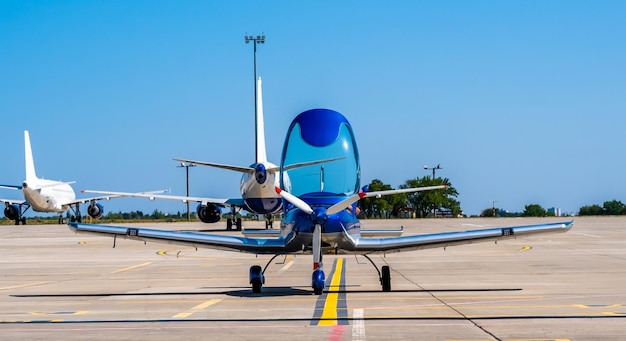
612	207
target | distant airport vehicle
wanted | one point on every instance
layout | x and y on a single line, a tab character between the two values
257	183
44	195
320	209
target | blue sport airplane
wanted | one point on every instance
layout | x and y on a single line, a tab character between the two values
320	205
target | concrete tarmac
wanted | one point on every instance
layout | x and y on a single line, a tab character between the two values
57	285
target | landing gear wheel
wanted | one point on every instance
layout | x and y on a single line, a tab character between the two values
318	280
256	278
385	278
238	224
229	224
23	221
256	287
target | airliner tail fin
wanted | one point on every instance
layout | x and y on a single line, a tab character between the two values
28	157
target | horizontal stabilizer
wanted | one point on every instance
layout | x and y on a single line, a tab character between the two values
218	165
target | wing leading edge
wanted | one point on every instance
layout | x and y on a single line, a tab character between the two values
444	239
212	241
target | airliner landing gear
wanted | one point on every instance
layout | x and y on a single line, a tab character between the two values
229	224
269	221
233	219
384	275
77	217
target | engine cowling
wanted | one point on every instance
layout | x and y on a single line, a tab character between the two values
12	212
95	210
209	213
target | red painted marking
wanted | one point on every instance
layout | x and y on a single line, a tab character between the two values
336	333
278	190
316	265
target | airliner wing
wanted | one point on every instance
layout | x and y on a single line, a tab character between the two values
194	239
13	201
424	241
183	199
218	165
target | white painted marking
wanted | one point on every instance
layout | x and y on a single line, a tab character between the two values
587	235
358	325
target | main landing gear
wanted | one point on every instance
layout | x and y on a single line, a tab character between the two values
77	217
233	220
384	275
269	221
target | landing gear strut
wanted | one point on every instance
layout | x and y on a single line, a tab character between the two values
76	217
233	219
384	274
318	279
269	221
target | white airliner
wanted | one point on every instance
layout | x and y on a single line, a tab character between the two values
44	195
257	189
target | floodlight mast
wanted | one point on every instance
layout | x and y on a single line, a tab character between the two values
433	168
261	40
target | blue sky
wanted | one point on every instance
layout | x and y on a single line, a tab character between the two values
521	102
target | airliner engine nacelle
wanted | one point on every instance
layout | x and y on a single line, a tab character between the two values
11	212
95	210
209	213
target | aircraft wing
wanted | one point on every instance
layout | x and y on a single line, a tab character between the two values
183	199
424	241
194	239
11	186
13	201
218	165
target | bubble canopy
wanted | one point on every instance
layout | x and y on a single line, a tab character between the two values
315	137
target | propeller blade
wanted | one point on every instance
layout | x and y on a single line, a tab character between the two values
297	202
342	205
379	194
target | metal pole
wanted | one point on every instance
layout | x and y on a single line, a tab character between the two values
186	166
187	180
260	40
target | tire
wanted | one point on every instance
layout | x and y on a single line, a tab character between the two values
386	278
256	287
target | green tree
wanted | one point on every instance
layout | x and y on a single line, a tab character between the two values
590	210
613	207
534	210
376	207
426	201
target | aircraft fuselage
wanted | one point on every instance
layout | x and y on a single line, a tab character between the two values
257	189
48	196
